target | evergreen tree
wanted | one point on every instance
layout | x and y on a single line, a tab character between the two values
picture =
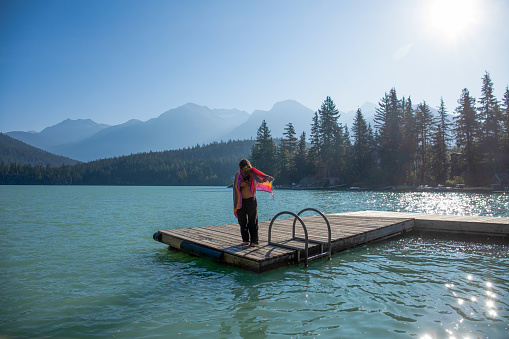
301	159
263	155
408	144
345	166
467	135
489	114
330	137
338	166
287	152
437	171
388	122
441	141
315	140
505	130
424	129
290	142
361	158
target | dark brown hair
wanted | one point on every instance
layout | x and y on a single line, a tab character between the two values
244	162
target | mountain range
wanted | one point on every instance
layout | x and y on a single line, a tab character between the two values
181	127
15	151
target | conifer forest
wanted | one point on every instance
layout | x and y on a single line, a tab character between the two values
406	145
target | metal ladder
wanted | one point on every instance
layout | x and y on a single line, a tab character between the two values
305	239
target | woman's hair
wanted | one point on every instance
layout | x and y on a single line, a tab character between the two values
243	163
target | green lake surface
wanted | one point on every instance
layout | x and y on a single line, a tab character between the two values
80	262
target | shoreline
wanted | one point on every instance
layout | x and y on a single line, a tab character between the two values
393	189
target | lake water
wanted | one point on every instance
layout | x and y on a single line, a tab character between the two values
80	262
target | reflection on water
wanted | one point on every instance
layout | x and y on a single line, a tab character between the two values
454	203
451	203
81	262
412	286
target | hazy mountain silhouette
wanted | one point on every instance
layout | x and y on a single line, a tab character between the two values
276	118
368	110
300	116
63	132
181	127
13	150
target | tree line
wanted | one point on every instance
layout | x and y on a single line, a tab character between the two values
207	165
408	145
13	150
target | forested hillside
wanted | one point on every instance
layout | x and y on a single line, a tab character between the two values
15	151
408	145
213	164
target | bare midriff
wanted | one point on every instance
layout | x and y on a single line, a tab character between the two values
245	191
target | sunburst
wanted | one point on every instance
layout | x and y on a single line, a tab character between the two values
452	19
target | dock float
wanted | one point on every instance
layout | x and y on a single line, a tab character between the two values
282	242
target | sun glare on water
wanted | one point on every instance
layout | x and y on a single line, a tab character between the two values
451	19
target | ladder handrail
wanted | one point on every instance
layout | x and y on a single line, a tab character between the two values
329	249
296	217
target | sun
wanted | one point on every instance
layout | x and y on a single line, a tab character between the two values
452	19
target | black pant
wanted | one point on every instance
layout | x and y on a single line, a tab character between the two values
248	220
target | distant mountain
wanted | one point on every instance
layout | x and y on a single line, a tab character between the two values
64	132
209	165
181	127
300	116
277	118
13	150
231	117
368	110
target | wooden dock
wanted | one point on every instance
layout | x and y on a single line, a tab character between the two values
483	228
222	243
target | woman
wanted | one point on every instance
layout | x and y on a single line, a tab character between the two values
247	180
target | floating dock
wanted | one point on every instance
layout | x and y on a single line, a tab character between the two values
283	241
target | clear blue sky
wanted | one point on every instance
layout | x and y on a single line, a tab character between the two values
112	61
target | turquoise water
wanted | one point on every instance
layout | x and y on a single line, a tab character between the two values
80	262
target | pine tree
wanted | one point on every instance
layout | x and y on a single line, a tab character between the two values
287	152
361	158
340	160
408	144
505	130
263	154
424	129
441	144
290	141
467	135
388	122
315	140
346	155
489	114
330	136
301	160
436	170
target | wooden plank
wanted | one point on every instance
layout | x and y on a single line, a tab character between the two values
202	237
346	231
453	224
210	238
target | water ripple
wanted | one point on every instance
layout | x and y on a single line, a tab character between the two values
90	269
